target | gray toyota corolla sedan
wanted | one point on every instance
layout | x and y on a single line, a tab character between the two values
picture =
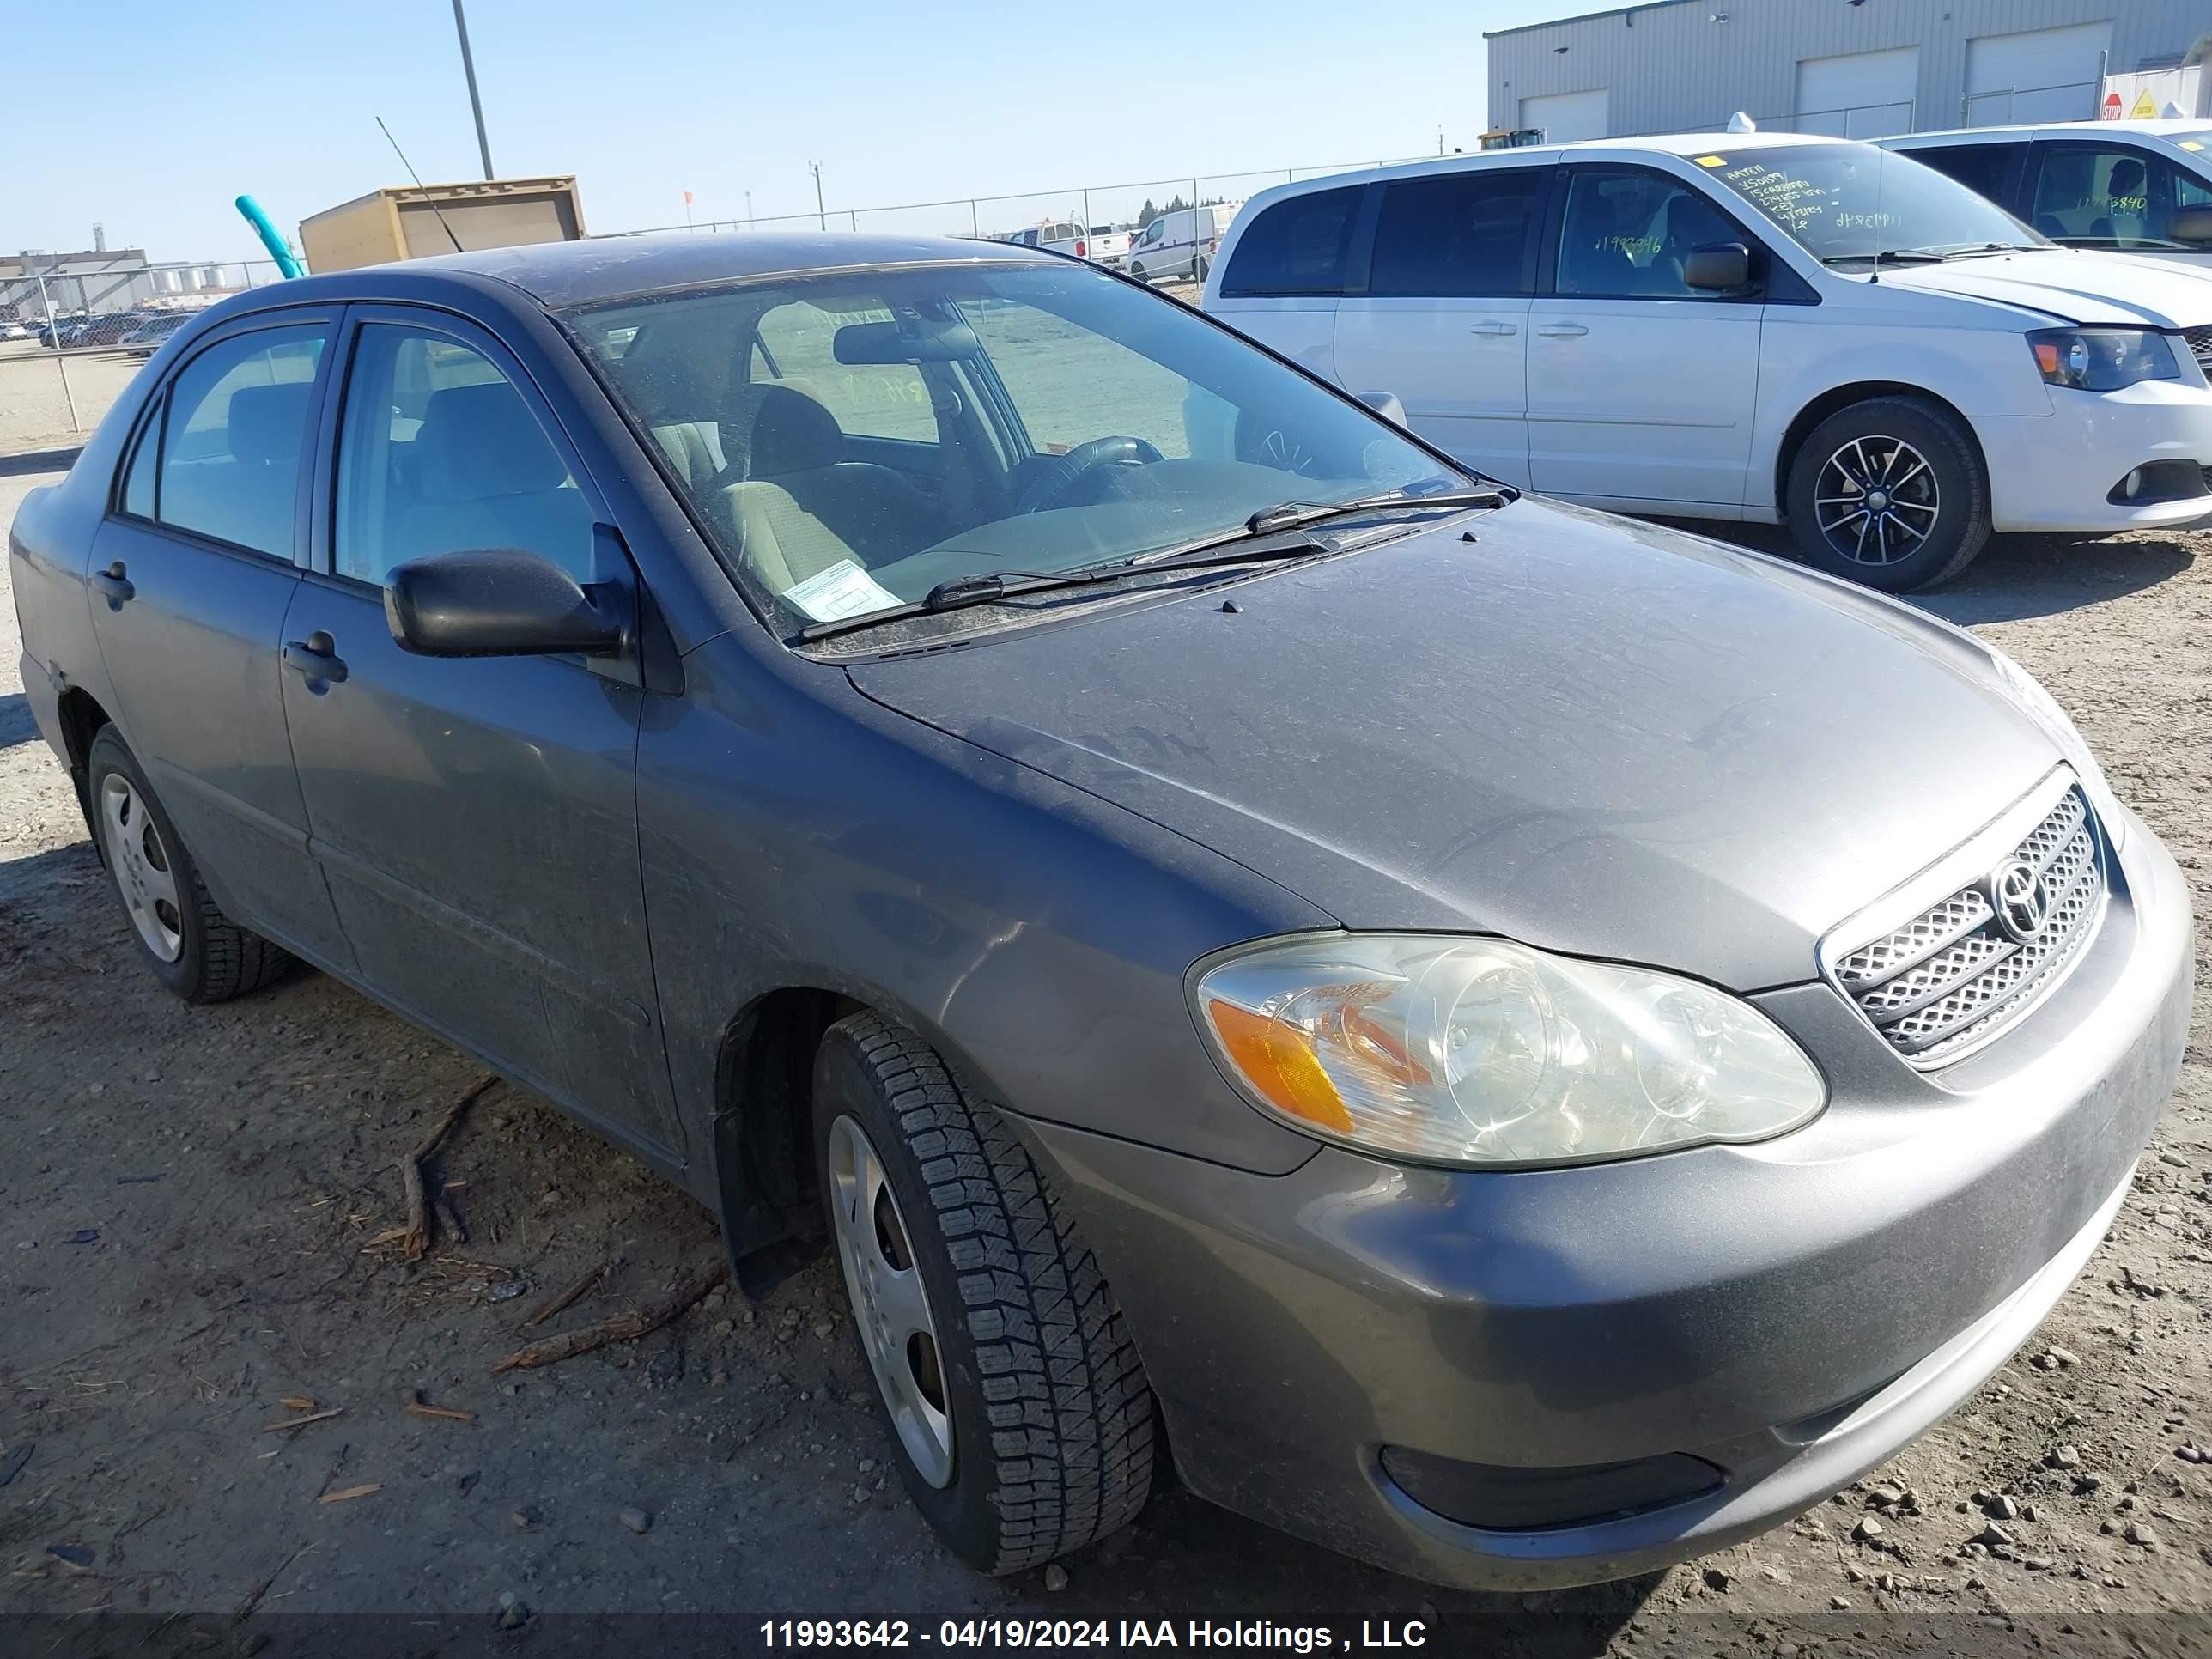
1519	1045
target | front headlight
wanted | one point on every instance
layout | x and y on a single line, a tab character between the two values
2039	705
2102	359
1483	1053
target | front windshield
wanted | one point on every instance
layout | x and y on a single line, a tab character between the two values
1854	202
854	439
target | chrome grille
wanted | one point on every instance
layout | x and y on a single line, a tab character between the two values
1957	973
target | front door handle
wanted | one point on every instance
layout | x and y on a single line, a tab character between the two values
114	584
316	657
1495	328
1561	330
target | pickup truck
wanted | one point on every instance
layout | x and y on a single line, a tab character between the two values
1102	244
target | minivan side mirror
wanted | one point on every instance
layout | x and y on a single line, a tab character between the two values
2190	224
1718	267
503	602
1384	404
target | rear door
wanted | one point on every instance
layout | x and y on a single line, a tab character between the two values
475	818
193	573
1444	321
1640	387
1289	266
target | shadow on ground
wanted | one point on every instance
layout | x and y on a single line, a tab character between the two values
38	460
2022	576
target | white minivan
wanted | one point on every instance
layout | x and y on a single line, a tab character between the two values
2123	187
1181	244
1748	326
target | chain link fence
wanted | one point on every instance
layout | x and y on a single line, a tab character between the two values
74	331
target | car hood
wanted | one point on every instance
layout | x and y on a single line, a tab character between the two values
2072	288
1590	735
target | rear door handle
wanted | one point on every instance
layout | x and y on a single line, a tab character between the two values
316	657
113	583
1496	328
1561	330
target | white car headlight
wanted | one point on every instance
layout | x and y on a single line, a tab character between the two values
2039	705
1482	1053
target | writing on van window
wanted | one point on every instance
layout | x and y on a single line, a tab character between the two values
1792	202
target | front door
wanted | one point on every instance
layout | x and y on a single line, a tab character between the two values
193	573
1640	387
476	818
2110	195
1444	322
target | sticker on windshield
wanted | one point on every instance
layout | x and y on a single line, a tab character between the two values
843	589
1712	161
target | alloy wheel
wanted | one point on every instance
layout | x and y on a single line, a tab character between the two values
1877	501
889	1302
140	863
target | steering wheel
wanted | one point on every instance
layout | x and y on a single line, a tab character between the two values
1056	474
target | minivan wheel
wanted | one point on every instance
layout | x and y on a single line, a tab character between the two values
1199	268
1002	1365
192	947
1138	273
1890	493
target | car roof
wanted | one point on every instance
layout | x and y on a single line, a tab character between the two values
558	275
1664	143
2161	128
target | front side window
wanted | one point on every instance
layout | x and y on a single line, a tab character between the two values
1078	422
2111	196
1628	235
439	454
1849	203
1298	246
1459	235
239	414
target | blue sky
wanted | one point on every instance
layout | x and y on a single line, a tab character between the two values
152	121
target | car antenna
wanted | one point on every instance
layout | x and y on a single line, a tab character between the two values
419	185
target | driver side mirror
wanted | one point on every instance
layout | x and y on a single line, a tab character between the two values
1718	267
503	602
2190	224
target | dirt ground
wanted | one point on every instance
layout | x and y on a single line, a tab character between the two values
189	1199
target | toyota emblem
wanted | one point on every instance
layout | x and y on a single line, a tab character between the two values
2021	898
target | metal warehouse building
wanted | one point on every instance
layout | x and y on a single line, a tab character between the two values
1857	69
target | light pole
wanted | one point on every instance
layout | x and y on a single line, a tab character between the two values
476	104
821	215
749	210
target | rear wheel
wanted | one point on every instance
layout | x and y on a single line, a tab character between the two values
1199	268
1891	493
1001	1363
1138	271
192	947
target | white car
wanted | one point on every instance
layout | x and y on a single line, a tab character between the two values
1748	325
2131	186
1101	245
1181	244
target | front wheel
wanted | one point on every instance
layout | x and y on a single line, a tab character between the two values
1890	493
1137	272
1199	268
1001	1364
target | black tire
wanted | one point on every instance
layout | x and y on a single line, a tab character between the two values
1954	483
1138	272
217	959
1199	268
1035	1364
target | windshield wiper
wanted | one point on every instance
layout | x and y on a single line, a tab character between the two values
989	586
1287	516
1891	255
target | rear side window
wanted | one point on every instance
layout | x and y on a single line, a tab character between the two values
1298	246
237	425
1982	168
439	453
1463	235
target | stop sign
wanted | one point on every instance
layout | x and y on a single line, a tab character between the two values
2110	111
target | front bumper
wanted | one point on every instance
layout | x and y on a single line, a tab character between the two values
2054	472
1792	1312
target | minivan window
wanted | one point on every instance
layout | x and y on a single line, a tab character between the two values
1296	246
1627	233
2111	196
439	454
1081	421
1458	236
238	421
1982	168
1848	202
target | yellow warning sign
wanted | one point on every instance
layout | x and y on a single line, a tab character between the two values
2190	143
2144	109
1712	161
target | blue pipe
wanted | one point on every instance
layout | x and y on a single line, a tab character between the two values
279	250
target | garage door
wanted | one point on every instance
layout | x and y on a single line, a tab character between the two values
2039	74
1566	117
1861	95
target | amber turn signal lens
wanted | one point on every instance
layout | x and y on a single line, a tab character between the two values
1280	1066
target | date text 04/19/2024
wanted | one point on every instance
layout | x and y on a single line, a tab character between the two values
844	1634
